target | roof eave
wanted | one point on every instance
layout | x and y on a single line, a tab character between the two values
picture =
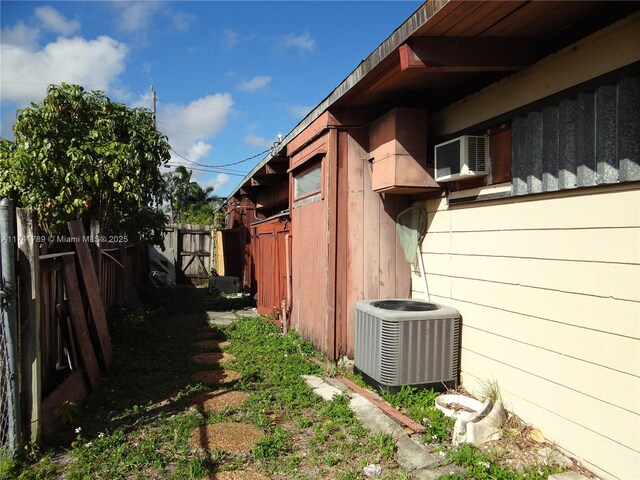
393	42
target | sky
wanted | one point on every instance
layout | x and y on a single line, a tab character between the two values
229	76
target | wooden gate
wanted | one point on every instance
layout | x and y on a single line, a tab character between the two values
193	251
269	252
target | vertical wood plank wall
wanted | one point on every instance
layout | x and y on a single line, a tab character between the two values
310	265
549	290
376	267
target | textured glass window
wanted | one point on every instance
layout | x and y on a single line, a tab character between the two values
308	182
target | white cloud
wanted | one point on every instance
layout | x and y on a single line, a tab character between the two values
229	38
189	126
20	36
198	150
182	21
303	43
216	182
299	111
256	83
143	100
135	16
257	141
94	64
52	20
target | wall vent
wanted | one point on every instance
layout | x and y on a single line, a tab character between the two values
407	342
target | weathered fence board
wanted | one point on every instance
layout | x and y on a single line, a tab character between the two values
93	292
79	323
54	336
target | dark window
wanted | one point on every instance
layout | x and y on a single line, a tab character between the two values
308	182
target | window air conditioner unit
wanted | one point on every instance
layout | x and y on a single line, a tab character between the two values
407	342
463	157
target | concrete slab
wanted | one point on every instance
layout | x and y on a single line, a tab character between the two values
248	313
321	388
414	456
372	417
220	318
337	383
410	454
434	473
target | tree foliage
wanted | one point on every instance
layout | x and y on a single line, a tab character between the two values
189	202
80	155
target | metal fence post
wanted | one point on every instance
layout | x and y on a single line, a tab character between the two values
9	333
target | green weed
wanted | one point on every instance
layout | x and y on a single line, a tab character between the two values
419	404
482	465
273	445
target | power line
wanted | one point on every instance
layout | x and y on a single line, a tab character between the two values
209	171
225	170
223	165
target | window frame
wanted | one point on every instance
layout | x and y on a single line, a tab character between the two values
305	171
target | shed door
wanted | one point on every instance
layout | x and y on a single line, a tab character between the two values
269	256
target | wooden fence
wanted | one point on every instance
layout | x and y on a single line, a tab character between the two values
64	290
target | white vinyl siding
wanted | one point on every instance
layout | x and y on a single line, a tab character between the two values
549	290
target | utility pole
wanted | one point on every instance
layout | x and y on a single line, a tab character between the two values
154	100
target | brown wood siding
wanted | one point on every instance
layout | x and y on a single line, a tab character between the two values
269	264
376	267
310	272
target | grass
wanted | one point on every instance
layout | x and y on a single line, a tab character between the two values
419	404
137	424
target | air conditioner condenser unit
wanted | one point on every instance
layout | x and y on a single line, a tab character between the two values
407	342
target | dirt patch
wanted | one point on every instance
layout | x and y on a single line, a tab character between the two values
218	376
213	344
226	436
218	401
213	358
238	475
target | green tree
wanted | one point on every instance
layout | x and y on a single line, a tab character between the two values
199	196
80	155
188	201
177	183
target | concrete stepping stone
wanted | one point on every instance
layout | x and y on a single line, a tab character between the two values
226	436
218	401
213	358
218	376
213	344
